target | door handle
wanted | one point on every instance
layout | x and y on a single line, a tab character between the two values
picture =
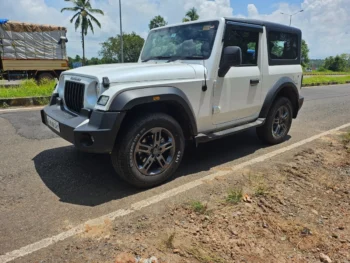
254	81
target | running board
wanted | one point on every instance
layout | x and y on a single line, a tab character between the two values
200	138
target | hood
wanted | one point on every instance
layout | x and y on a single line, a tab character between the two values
137	72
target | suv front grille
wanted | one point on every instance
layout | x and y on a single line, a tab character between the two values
74	95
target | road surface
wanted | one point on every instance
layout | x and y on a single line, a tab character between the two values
47	186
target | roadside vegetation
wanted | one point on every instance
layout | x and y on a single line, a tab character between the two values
321	80
28	88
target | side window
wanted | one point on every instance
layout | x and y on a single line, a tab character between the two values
248	41
283	45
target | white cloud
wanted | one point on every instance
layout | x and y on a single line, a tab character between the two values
325	23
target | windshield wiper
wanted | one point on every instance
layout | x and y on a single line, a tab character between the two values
184	58
155	58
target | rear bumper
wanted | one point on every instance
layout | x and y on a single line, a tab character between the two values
96	132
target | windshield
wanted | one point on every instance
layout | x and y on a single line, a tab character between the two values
191	41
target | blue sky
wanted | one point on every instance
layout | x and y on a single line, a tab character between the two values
325	23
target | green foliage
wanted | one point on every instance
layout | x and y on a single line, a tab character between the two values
157	21
191	15
305	54
198	207
337	63
29	88
133	44
234	196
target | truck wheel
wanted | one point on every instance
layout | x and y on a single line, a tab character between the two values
46	76
149	151
278	122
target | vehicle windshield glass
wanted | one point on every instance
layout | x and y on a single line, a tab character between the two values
188	41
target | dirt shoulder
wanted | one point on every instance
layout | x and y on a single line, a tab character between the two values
293	208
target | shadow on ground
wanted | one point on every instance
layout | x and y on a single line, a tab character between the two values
89	179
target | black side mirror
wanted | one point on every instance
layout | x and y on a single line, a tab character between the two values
231	57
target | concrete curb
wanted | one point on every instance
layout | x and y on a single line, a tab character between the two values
28	101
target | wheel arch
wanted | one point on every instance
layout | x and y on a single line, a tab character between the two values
169	100
284	87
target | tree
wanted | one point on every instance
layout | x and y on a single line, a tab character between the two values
157	21
191	15
305	60
83	18
337	63
133	44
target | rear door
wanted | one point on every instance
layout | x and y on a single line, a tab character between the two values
237	96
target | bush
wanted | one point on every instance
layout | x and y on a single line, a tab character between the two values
29	88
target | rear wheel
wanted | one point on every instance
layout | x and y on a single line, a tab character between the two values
45	76
278	122
149	151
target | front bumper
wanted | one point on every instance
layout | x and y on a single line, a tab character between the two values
95	132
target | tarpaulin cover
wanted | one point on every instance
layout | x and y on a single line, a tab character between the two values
3	21
31	41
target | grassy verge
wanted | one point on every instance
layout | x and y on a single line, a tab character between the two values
326	80
28	88
328	72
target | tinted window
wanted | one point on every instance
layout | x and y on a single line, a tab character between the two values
248	42
283	45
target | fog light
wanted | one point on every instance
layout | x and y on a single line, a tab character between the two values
87	140
103	100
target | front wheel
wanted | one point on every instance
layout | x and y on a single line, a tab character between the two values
278	122
149	151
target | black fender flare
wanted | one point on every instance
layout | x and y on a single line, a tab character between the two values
275	90
128	99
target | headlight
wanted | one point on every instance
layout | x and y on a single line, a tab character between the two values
103	100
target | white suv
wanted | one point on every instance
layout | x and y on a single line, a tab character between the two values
195	81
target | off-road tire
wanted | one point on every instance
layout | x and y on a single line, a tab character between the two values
122	156
265	132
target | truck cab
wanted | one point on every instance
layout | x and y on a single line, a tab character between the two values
196	81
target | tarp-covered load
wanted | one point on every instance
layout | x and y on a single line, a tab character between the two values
32	41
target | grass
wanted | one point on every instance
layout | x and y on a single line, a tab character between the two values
198	207
261	190
327	72
346	138
202	255
169	242
234	196
325	80
28	88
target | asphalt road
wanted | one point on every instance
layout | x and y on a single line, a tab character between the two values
47	186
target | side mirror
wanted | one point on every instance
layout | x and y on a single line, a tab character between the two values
231	57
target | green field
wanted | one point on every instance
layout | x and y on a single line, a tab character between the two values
327	72
28	88
326	80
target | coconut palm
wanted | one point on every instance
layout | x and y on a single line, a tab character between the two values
83	18
191	15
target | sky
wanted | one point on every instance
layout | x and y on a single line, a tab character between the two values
325	23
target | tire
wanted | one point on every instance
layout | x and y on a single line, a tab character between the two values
269	132
45	76
140	145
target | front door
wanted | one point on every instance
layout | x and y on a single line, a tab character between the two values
237	96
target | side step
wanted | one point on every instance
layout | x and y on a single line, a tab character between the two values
200	138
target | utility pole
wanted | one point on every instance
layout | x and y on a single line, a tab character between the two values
291	15
121	32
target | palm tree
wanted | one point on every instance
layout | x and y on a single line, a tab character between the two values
83	18
191	15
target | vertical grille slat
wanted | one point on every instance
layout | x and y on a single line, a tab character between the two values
74	95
